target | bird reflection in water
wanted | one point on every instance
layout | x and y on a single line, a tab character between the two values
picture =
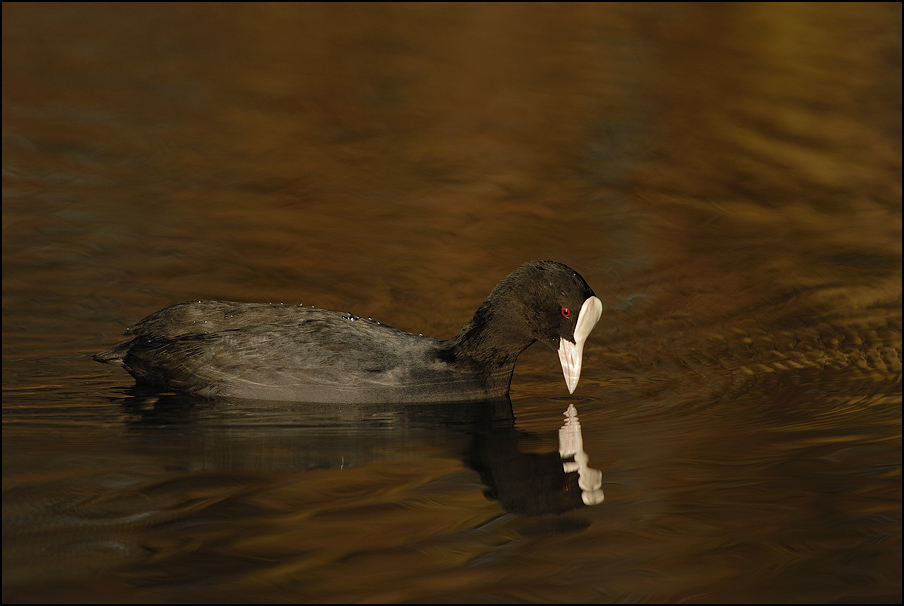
536	484
247	435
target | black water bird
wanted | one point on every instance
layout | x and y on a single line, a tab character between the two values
284	352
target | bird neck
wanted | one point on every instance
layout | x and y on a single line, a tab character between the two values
492	340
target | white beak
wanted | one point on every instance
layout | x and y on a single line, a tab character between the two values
570	354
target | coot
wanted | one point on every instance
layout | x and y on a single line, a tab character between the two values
285	352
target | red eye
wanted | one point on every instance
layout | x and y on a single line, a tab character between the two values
566	312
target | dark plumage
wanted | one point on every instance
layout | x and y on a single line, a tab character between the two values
282	352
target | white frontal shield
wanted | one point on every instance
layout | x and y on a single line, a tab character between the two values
570	354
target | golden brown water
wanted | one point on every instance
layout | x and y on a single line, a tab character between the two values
726	177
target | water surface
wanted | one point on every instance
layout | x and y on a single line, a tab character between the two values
726	177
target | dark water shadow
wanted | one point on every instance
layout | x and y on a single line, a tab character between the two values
226	435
